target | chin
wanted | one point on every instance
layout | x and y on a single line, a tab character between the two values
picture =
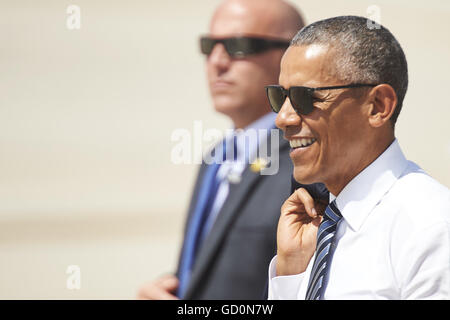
304	175
227	107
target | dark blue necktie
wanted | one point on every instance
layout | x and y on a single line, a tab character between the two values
324	252
195	232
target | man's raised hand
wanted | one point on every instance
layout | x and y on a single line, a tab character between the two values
297	232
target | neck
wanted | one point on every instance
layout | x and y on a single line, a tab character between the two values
241	122
336	185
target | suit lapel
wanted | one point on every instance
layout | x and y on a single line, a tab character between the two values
237	195
227	214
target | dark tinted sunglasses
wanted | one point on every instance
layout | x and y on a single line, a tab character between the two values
302	99
239	47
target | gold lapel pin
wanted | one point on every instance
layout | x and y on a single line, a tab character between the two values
259	164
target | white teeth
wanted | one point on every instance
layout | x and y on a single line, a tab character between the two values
293	143
297	143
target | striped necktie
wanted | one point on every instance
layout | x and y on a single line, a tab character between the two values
321	266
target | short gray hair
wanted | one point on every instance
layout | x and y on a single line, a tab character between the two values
367	52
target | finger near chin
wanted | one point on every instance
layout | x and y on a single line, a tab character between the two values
305	198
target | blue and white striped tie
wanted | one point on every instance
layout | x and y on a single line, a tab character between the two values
325	237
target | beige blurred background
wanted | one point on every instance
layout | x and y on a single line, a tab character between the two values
86	118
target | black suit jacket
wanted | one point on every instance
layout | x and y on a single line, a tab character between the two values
232	263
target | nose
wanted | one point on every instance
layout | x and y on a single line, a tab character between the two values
287	117
219	58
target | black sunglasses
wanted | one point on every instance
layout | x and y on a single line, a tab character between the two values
301	97
239	47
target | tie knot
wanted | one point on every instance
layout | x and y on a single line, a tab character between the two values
332	212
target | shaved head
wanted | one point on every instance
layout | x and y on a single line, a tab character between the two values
272	18
237	84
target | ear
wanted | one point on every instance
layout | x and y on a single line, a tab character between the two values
383	101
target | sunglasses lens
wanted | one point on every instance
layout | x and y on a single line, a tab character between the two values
301	99
207	45
241	47
276	98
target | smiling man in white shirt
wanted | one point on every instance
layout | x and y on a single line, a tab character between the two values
386	232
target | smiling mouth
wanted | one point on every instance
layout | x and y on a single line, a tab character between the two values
301	143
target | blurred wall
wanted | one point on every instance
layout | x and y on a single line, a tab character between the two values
86	118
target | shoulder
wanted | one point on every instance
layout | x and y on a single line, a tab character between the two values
419	199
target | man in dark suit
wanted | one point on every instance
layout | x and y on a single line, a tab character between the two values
237	219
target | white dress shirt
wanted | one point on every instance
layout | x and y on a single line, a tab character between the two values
393	241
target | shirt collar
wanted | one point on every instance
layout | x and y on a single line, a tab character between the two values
246	153
363	192
267	121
